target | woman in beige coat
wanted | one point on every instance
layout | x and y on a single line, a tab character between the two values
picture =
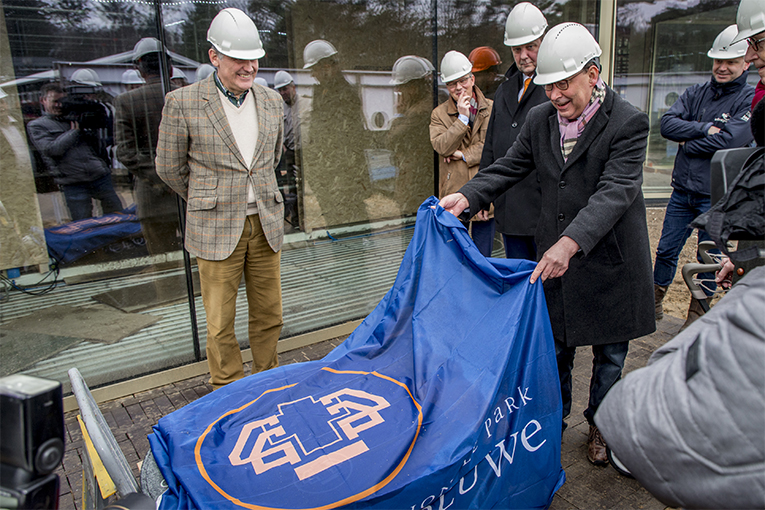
457	132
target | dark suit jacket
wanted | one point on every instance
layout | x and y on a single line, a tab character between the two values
516	210
136	129
595	198
198	157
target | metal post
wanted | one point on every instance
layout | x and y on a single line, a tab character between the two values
166	72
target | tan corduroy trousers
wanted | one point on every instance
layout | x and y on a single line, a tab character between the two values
220	280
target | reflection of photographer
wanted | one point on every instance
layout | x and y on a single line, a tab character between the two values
73	136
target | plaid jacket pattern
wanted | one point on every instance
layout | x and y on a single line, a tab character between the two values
198	157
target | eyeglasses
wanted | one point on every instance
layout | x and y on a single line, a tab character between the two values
563	84
464	81
754	43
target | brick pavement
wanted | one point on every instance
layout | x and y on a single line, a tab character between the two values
587	486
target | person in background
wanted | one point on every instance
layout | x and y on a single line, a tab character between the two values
203	71
288	173
488	77
136	133
706	118
70	142
457	133
517	210
178	78
219	142
131	79
588	146
334	163
408	140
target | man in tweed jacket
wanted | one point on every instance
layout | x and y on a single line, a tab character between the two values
219	142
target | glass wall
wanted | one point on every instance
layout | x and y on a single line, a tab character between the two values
661	49
95	276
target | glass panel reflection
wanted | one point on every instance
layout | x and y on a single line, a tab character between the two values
358	96
85	102
661	50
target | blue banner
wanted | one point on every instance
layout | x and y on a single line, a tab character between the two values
446	396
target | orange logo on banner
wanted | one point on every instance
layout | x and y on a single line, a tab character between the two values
272	442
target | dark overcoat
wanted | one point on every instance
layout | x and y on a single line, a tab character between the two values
516	210
595	198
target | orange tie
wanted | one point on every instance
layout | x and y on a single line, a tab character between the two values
525	86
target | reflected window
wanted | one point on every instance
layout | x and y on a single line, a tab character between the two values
661	50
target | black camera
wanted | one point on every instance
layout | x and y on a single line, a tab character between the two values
88	113
31	441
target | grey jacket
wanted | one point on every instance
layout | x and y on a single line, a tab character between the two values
67	152
690	426
595	198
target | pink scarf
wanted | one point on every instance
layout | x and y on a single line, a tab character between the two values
571	130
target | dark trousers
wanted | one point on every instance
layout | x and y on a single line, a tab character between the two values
607	365
79	197
482	233
681	210
286	179
520	247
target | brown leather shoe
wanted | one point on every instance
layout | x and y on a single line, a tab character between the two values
596	447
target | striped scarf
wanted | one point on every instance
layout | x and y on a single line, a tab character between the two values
571	130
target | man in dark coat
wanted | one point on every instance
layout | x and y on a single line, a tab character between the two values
588	146
517	210
136	132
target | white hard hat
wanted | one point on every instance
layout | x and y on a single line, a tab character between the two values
86	77
145	46
282	79
203	71
750	19
524	24
260	81
564	51
131	77
317	50
178	74
235	35
454	66
722	47
410	67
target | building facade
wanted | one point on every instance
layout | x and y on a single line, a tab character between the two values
94	294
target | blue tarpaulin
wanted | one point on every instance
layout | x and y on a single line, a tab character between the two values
72	241
446	396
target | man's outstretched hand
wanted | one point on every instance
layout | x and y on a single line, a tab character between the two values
454	203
